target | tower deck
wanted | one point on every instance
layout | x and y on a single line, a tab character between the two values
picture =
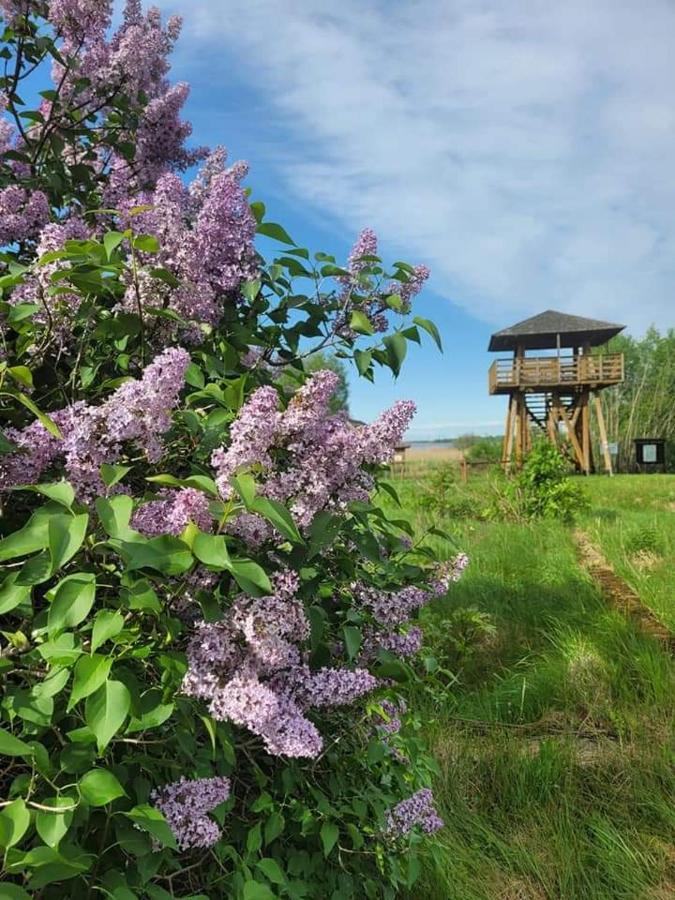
544	373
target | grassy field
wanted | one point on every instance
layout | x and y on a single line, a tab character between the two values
553	719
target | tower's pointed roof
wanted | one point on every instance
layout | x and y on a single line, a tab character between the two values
541	332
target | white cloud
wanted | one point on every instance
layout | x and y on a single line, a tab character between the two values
523	150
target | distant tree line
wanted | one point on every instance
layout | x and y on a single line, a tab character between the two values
643	406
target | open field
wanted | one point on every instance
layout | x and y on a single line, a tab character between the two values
555	734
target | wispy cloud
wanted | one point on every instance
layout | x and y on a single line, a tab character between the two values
523	150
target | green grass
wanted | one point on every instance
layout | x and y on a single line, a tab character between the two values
554	732
632	519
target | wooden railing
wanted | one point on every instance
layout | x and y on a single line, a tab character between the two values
550	371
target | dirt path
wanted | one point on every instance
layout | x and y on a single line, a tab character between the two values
618	593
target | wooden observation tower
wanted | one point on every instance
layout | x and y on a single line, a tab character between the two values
552	392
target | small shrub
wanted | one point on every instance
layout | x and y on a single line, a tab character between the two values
542	489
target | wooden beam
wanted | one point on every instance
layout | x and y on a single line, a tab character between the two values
571	433
586	432
603	434
508	434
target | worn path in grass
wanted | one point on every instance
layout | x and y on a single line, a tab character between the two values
618	593
551	719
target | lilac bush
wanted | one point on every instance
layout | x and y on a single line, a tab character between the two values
209	620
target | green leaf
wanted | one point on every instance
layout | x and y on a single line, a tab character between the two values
279	516
107	624
211	549
152	718
165	554
254	890
150	819
14	822
73	597
99	787
397	347
12	746
22	374
66	535
12	594
106	710
250	577
6	446
431	329
274	827
146	243
254	838
111	474
43	418
115	514
52	826
111	241
271	869
329	836
363	359
244	484
14	892
89	674
353	639
323	531
33	536
272	230
360	323
60	492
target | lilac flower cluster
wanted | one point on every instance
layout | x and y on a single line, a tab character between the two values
206	237
390	723
361	291
249	667
57	309
171	513
185	806
22	213
138	411
310	459
417	811
449	573
399	643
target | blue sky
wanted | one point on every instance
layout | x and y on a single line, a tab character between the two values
523	151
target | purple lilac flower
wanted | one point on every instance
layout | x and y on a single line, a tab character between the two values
390	723
410	288
247	701
81	18
449	573
137	411
416	811
392	607
37	448
171	513
327	686
185	805
251	436
223	234
402	644
324	454
23	213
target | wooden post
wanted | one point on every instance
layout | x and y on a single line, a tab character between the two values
508	434
603	433
586	431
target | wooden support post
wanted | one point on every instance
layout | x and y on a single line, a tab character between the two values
552	424
586	432
572	435
519	430
603	434
508	434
